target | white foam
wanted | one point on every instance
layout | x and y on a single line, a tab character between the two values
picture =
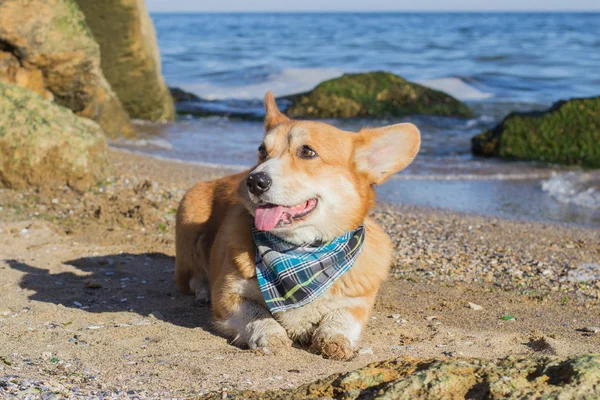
155	143
286	82
579	188
456	88
511	176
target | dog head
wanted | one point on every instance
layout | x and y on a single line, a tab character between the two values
314	181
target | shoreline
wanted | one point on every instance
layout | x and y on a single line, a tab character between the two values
216	169
88	301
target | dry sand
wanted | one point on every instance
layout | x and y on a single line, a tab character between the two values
88	304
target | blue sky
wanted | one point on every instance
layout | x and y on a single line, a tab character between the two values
372	5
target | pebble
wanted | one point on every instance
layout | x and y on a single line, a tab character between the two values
78	304
475	307
366	350
156	315
590	329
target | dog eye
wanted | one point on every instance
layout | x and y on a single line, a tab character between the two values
306	152
262	151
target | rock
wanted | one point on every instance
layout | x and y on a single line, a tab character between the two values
46	46
91	284
180	95
474	306
42	143
590	329
130	56
567	133
409	378
373	94
156	315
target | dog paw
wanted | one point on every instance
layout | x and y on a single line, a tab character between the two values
268	334
200	289
335	347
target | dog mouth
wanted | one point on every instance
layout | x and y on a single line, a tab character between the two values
271	216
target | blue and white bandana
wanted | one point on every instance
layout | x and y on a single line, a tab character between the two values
291	276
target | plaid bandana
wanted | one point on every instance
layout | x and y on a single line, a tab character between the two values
291	276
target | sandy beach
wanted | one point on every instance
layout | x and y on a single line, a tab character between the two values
88	305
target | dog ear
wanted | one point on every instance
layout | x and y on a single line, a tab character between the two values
382	152
272	114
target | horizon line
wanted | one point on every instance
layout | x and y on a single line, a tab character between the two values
550	11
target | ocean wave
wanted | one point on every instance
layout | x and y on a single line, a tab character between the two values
578	188
154	143
286	82
472	177
456	87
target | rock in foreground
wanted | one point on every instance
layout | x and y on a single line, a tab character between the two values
373	94
42	143
46	46
130	56
567	133
407	378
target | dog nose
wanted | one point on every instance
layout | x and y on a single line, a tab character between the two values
258	183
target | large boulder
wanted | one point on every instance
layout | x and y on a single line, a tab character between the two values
567	133
46	46
576	377
42	143
373	94
130	56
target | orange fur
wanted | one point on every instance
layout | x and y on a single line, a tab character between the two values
215	250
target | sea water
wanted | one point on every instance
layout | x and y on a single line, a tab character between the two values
497	63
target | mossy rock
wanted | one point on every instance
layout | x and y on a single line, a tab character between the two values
42	143
130	56
568	133
46	46
373	94
576	377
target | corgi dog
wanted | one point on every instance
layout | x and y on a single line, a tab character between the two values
313	184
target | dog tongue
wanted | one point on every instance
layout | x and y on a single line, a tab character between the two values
268	217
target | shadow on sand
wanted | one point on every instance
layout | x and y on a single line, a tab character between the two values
140	283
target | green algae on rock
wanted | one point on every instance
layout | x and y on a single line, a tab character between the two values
46	46
42	143
567	133
376	94
409	378
130	56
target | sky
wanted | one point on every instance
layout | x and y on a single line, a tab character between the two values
371	5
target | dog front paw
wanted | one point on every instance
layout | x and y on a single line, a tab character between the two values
200	289
335	347
267	333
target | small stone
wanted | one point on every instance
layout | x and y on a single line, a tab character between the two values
156	315
590	329
396	316
78	304
366	350
474	306
93	284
